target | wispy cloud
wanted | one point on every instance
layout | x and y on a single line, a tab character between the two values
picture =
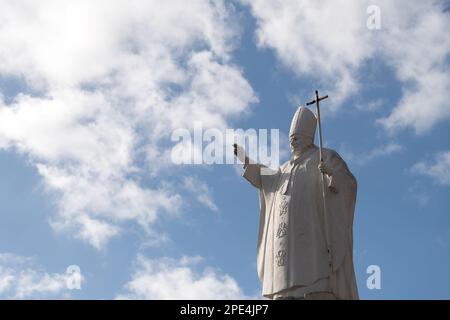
329	42
168	278
371	106
419	193
438	170
111	80
23	278
370	155
295	31
201	192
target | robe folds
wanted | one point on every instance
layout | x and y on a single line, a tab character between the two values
294	254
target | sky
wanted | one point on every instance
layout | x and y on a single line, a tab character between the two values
91	93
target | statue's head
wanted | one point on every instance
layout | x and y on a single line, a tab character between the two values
303	129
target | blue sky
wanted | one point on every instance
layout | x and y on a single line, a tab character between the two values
88	110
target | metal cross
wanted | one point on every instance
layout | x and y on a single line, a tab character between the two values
325	209
316	101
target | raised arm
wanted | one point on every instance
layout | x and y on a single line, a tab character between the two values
252	170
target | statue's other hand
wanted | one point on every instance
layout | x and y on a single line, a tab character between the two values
333	189
325	168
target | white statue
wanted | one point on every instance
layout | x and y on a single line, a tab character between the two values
303	254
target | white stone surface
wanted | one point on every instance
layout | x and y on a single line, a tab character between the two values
294	259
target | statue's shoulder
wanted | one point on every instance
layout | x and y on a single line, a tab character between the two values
330	153
284	165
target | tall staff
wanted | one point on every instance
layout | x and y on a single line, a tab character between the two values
325	211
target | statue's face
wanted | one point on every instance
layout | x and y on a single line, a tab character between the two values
299	142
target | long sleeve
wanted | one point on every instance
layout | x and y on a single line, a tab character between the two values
252	172
342	177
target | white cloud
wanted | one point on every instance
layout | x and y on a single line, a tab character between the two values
202	192
106	83
67	43
371	106
364	158
177	279
416	45
439	170
419	192
325	40
22	278
328	42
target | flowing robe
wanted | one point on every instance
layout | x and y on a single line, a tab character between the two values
294	255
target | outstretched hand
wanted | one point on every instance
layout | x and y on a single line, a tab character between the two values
239	152
235	148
